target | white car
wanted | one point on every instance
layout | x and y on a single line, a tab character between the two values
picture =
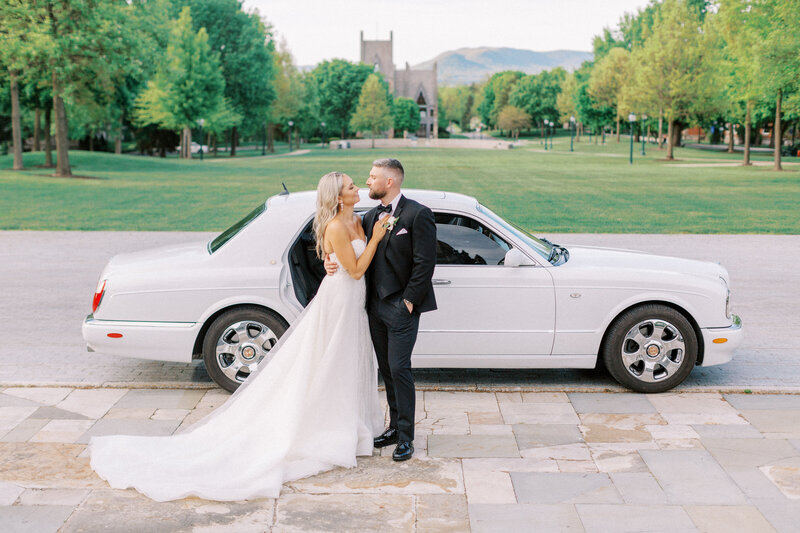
506	299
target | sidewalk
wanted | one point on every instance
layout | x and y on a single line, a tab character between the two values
484	461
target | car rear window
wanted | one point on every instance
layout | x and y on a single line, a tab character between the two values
229	233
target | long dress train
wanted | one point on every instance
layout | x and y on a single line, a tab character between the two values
313	407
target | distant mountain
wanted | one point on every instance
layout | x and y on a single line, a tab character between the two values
468	65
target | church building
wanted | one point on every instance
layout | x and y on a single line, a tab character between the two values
419	85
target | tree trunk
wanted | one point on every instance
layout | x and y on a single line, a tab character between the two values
214	141
730	137
233	141
62	140
16	122
670	139
271	137
37	129
187	143
91	142
617	127
48	145
747	126
660	129
676	132
778	137
118	140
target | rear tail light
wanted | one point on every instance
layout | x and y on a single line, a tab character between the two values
98	294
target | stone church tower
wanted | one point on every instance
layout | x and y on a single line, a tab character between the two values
419	85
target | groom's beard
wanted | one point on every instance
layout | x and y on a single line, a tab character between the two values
375	195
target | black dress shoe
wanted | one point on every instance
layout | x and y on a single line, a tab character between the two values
386	438
404	451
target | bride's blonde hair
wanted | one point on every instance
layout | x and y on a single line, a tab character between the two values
328	191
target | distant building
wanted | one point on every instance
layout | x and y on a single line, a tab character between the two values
419	85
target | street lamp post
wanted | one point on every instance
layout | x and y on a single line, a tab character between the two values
571	132
323	133
291	123
552	133
631	120
200	122
641	130
546	131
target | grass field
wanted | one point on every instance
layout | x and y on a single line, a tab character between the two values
593	189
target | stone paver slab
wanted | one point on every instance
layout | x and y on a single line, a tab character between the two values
544	397
127	510
725	431
638	487
489	486
8	400
624	421
92	403
509	465
692	477
610	403
618	461
62	431
34	518
744	454
23	431
9	492
129	413
40	395
381	475
344	512
754	484
785	475
71	497
778	402
782	514
600	518
536	435
535	487
54	413
538	413
460	401
566	452
486	518
691	402
671	431
472	446
128	427
47	465
773	420
161	399
604	433
445	513
727	518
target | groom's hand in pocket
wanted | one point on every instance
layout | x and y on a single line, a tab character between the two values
330	266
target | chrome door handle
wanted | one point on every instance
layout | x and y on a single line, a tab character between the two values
441	281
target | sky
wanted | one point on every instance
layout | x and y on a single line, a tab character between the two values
316	30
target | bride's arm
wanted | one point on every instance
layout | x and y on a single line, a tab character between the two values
336	234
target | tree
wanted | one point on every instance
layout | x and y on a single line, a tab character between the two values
245	49
671	68
496	95
188	86
339	83
405	113
455	103
513	119
537	94
608	80
373	113
289	91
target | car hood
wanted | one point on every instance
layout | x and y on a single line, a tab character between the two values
610	258
158	258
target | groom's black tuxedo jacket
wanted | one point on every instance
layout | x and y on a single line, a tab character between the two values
406	256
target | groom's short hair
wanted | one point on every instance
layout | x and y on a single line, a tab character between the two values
393	164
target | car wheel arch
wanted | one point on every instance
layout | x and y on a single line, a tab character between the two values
197	350
686	314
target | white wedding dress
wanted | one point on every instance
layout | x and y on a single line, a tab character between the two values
313	407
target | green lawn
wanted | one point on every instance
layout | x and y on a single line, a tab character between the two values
593	189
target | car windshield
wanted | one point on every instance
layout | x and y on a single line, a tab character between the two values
541	247
228	234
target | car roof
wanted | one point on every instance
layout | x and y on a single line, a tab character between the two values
306	200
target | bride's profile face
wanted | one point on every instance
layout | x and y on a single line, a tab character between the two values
349	192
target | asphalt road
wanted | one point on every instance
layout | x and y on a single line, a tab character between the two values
47	280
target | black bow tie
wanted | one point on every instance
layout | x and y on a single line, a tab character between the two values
384	209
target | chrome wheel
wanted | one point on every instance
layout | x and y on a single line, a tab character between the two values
242	346
653	350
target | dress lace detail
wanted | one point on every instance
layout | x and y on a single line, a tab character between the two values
313	407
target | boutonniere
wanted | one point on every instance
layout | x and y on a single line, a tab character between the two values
389	223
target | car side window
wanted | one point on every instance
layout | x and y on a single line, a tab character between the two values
461	240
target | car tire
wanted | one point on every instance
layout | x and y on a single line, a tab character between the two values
650	348
239	340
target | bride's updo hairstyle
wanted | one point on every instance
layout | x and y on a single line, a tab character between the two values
328	191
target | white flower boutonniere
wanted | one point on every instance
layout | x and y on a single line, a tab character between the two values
389	223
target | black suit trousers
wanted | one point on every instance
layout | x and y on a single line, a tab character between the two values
394	332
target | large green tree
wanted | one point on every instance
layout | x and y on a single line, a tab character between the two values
608	81
496	94
405	113
188	87
373	113
537	95
339	84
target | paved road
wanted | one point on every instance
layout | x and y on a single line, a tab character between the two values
47	280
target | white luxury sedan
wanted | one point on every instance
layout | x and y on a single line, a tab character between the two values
506	299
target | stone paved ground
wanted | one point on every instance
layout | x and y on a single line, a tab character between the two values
47	280
542	461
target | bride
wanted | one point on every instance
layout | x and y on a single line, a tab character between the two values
313	407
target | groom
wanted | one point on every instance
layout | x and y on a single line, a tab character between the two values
399	288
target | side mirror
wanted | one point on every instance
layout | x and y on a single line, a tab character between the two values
515	258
